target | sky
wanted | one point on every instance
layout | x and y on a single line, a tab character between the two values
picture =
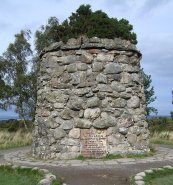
151	20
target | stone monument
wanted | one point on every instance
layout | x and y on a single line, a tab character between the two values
90	100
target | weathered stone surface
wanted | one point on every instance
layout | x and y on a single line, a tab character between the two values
119	103
101	78
126	121
88	45
51	123
66	114
132	138
113	140
104	121
59	105
59	133
105	57
93	102
123	130
81	91
116	86
45	182
104	88
97	66
130	68
140	182
137	178
67	124
92	113
112	68
53	46
57	96
72	142
126	78
82	66
133	102
74	133
112	130
125	95
82	123
65	60
136	78
86	57
75	103
71	68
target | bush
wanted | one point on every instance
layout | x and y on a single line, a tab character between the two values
13	125
159	124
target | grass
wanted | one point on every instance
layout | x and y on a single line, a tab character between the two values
119	156
14	139
20	176
159	177
165	137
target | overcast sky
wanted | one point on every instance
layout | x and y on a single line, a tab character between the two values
152	21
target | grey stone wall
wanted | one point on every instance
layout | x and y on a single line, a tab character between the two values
93	83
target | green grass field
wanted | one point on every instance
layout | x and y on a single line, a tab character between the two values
19	176
167	180
164	177
14	139
164	137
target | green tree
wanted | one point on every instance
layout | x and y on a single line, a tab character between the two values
83	22
16	77
149	93
171	113
86	22
5	90
47	34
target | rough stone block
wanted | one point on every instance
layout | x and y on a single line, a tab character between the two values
59	133
92	113
112	68
74	133
82	123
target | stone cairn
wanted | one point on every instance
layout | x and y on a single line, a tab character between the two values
90	100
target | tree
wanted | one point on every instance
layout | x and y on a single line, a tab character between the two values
149	93
5	90
16	77
83	22
47	34
171	113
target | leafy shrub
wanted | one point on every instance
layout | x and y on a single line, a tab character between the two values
159	124
12	125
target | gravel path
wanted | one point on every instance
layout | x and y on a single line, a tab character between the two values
93	172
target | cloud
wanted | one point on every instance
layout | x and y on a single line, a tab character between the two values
149	5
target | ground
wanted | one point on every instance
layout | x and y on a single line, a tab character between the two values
93	172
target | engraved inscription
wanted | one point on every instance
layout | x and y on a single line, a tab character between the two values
93	143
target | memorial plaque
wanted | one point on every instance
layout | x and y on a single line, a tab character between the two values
93	143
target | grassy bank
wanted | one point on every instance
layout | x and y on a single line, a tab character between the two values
12	176
161	129
15	139
22	176
162	177
164	137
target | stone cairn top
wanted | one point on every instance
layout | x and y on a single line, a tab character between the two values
94	42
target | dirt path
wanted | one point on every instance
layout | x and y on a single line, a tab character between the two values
94	172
